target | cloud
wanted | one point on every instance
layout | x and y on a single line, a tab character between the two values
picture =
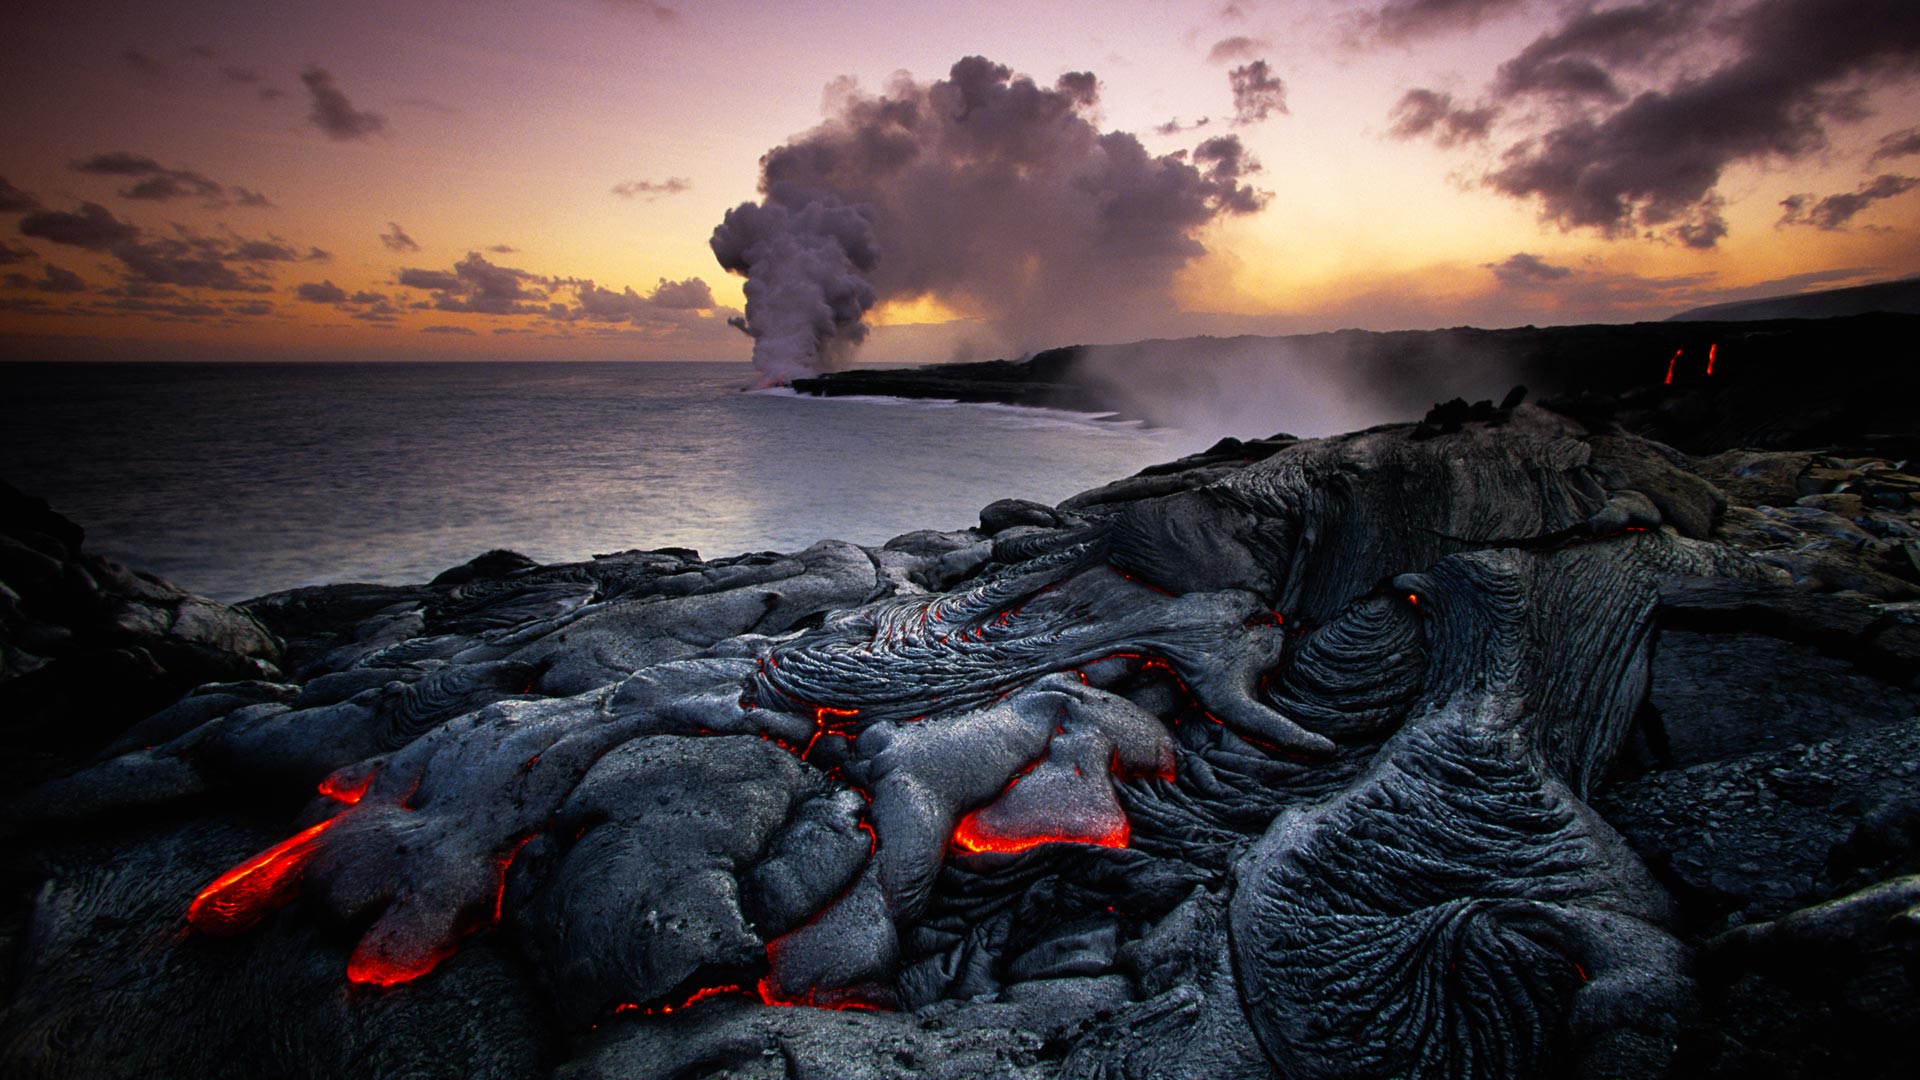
11	254
320	292
652	9
193	261
333	114
1238	47
273	250
443	328
185	258
1257	93
480	287
1897	145
1833	212
504	249
142	65
1523	269
1611	139
652	189
1175	127
93	228
1408	20
368	306
671	310
595	304
691	294
52	279
1577	59
154	182
986	191
13	200
396	238
477	286
1225	162
1429	113
119	163
440	280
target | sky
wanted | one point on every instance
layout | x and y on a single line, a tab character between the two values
915	182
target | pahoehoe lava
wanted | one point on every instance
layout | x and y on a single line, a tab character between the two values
1388	754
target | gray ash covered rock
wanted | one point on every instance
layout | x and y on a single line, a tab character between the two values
1510	743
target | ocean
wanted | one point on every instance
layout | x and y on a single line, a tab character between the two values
235	480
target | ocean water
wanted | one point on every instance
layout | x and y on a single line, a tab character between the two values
234	480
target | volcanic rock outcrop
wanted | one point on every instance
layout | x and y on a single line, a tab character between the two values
1498	745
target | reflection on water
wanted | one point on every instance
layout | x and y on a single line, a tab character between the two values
239	479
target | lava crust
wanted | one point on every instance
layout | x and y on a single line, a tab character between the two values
1283	767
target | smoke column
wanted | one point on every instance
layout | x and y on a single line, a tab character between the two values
984	190
804	255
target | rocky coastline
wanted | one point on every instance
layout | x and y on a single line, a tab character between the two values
1575	733
1800	382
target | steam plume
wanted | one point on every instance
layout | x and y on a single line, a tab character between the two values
804	254
984	190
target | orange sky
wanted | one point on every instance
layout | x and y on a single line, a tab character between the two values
476	127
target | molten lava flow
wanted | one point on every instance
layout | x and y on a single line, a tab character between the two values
238	899
975	836
827	720
1670	362
339	791
505	863
811	999
968	836
370	967
367	968
664	1010
1711	349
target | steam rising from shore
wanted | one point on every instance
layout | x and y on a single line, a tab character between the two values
1310	386
804	254
985	191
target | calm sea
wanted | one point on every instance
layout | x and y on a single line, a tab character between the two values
234	480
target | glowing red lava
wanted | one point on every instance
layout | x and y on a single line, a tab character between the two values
337	790
505	863
665	1010
811	999
367	968
1670	362
238	899
968	836
827	720
1711	349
